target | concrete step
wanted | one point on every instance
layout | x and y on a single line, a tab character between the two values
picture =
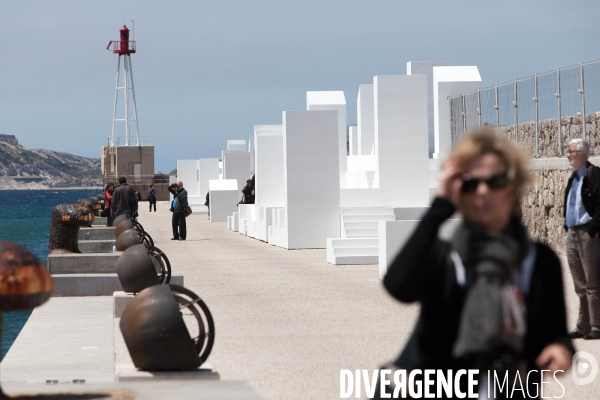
368	217
99	221
355	260
361	225
93	284
83	263
367	211
97	233
352	242
356	251
361	233
97	246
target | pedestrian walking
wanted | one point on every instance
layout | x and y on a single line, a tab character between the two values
490	298
177	207
152	197
124	200
582	223
108	195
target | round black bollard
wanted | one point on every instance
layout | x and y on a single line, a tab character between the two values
122	227
135	269
127	239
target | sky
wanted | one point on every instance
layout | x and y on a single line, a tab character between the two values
208	71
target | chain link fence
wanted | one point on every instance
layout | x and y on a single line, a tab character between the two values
541	113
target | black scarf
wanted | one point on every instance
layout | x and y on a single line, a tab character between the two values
493	259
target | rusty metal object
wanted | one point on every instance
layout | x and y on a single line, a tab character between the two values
140	267
64	227
120	218
93	203
127	239
24	281
155	333
122	227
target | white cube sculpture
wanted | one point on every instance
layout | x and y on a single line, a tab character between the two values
208	169
223	199
238	165
311	178
426	68
236	145
332	100
270	191
448	82
365	117
353	140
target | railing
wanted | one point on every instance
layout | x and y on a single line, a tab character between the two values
528	110
115	45
122	140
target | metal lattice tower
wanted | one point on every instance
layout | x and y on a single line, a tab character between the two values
124	48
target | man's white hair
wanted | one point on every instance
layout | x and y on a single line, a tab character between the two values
582	145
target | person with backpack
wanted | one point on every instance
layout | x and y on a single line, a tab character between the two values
180	202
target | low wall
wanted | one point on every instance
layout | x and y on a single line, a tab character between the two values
543	204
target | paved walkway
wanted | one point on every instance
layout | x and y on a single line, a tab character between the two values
287	321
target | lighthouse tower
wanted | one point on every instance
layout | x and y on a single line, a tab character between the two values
131	156
124	48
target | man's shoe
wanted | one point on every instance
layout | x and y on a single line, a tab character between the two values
174	238
576	335
592	335
181	239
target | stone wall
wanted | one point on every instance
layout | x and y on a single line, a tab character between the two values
543	205
572	127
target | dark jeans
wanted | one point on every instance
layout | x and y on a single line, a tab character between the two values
109	220
152	201
179	226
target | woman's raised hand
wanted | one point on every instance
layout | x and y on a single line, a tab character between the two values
450	181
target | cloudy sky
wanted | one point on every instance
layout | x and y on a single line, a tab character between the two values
207	71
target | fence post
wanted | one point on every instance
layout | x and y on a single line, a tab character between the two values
452	128
537	129
516	106
560	139
479	106
582	91
497	110
464	114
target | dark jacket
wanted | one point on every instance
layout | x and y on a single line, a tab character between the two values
181	196
124	199
248	196
590	197
424	272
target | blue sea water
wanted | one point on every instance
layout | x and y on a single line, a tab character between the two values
25	219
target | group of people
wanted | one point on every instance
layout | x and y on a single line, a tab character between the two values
120	200
491	298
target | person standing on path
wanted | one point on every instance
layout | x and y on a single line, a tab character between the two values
582	223
179	203
124	200
108	195
152	197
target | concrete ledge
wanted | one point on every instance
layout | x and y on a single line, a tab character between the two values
85	263
128	373
97	233
97	246
99	221
120	302
560	163
78	285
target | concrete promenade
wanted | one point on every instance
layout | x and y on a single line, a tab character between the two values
287	321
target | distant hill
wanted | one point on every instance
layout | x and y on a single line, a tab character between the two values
55	168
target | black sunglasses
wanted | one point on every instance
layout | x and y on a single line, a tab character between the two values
493	182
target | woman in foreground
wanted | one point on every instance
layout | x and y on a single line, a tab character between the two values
490	299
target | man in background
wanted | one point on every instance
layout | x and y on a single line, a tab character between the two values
124	200
582	222
179	203
152	197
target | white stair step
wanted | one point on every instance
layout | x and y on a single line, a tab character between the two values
357	251
367	210
361	225
352	242
368	217
355	260
362	233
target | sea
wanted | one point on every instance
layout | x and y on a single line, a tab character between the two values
25	219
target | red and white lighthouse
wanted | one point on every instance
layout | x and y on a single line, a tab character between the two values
124	48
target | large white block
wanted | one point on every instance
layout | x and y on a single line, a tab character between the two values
238	165
365	116
426	68
336	101
311	177
223	199
353	140
401	143
208	169
187	172
448	82
236	145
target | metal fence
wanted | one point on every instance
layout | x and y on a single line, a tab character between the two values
540	112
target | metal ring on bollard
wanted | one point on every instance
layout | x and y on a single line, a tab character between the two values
186	299
165	266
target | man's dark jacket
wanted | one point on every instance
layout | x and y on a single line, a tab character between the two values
181	196
590	197
124	198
